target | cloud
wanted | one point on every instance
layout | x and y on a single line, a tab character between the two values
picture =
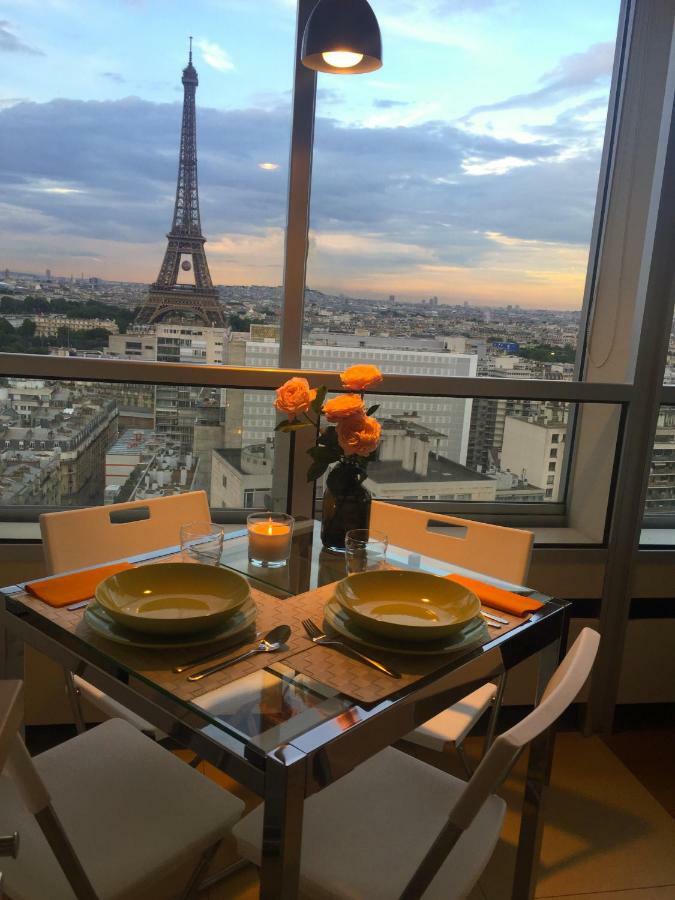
10	43
451	7
114	76
11	101
394	209
494	166
328	95
215	56
389	104
574	74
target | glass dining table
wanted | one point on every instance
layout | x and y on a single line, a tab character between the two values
281	733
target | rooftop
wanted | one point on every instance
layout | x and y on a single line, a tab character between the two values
130	440
440	469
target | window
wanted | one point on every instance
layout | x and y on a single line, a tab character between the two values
98	215
660	498
423	237
104	442
449	236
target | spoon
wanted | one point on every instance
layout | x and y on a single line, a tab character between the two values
273	640
206	657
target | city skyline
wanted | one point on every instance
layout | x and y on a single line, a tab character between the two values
417	191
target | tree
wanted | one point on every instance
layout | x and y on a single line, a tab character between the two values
27	328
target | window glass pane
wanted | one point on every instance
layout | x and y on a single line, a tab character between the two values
91	130
454	189
86	443
507	460
660	499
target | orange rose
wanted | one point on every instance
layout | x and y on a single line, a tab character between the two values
358	378
359	437
294	397
343	407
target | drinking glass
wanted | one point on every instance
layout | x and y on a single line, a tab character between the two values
365	550
201	542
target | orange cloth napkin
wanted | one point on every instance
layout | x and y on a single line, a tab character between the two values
498	598
67	589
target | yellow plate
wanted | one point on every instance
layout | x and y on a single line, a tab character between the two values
469	635
407	606
238	627
172	598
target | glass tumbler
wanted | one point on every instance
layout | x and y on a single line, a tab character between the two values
201	542
365	550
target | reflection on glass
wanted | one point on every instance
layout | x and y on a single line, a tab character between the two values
270	707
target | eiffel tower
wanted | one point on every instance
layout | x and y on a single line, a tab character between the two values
167	298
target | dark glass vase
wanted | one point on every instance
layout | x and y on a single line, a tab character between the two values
346	504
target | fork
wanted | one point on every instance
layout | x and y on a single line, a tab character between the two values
317	636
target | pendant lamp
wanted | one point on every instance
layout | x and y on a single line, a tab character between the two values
342	37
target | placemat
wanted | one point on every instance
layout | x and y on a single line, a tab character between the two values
354	678
156	665
329	666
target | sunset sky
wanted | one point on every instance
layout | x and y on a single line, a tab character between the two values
465	168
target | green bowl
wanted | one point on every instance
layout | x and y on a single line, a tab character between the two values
172	598
407	606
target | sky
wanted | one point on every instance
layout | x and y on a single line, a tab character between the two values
466	168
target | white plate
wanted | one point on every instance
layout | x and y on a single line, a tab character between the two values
230	632
473	634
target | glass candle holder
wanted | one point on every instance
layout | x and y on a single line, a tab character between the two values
269	539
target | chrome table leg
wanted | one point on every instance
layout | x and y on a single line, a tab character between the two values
285	779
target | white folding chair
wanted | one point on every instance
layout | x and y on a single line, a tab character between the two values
493	550
107	815
367	837
79	538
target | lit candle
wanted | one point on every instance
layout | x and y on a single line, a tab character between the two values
269	539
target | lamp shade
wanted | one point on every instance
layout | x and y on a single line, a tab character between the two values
342	37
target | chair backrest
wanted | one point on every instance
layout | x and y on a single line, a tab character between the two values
100	534
16	762
491	549
565	684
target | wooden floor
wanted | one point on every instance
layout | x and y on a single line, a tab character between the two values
610	821
610	824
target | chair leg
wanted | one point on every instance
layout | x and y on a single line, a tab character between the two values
218	876
494	713
75	705
464	760
194	884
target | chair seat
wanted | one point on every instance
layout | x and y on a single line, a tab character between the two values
136	815
364	836
115	710
452	725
